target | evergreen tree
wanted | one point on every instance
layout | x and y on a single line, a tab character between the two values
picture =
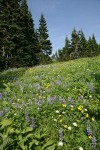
44	42
98	49
11	34
28	54
89	52
64	54
67	49
75	44
94	46
83	44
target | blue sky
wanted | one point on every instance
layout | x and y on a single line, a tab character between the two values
63	15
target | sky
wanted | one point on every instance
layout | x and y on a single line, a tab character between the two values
63	15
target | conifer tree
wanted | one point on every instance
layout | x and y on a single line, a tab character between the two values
44	42
83	44
64	53
94	46
11	32
27	24
89	52
67	49
75	44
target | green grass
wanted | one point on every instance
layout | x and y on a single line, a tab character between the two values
51	107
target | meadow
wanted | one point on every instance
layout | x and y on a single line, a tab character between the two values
51	107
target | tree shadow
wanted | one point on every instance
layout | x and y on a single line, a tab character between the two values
10	75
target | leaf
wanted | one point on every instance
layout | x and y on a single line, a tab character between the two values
28	136
21	144
17	131
20	137
47	144
33	142
28	129
51	147
38	148
6	122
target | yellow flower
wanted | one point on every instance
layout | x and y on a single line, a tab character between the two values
65	126
87	115
93	119
64	105
44	97
80	108
60	121
90	136
82	111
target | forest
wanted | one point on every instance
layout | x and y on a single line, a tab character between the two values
23	45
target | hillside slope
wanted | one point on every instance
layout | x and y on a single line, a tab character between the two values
51	107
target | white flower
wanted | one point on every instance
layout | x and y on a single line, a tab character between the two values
71	106
55	120
69	128
74	124
60	143
63	112
57	111
90	96
81	148
85	109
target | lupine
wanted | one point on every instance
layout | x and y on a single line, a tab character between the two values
2	113
80	98
17	106
89	132
60	134
90	85
33	123
1	95
27	117
94	142
70	100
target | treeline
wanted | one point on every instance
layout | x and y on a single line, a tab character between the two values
78	46
20	43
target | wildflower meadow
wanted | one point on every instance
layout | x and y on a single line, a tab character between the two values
51	107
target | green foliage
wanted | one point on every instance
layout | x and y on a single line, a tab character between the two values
78	47
19	43
44	42
51	107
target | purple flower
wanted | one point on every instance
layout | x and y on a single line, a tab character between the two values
90	85
1	95
33	123
17	106
80	98
60	134
89	132
2	113
27	117
70	100
94	142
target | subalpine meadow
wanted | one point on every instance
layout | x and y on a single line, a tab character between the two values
51	107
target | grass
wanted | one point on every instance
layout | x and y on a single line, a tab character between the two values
51	107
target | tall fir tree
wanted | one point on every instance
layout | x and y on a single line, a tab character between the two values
64	53
83	44
44	42
75	44
11	32
94	46
28	54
